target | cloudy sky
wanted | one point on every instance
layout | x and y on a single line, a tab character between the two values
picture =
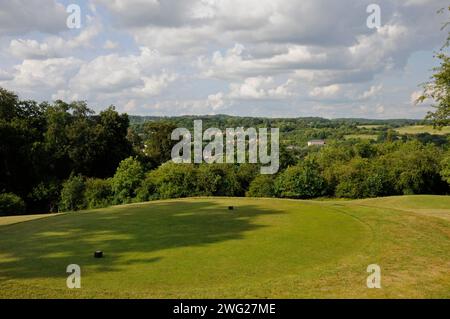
278	58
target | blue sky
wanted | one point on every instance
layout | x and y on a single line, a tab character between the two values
278	58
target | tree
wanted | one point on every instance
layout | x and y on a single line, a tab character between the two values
262	186
361	178
172	180
126	181
413	168
72	194
445	168
301	181
11	204
112	131
438	88
222	179
98	192
158	142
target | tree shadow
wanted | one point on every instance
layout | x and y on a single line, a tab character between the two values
44	248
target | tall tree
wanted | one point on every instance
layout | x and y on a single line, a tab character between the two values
438	88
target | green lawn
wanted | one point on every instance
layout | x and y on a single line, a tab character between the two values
417	129
265	248
370	126
361	136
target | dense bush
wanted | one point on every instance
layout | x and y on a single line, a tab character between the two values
98	192
301	181
72	194
219	180
360	179
45	196
11	204
172	180
262	186
126	181
445	168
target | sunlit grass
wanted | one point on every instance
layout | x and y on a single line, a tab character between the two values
417	129
265	248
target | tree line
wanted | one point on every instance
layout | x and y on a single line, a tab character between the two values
64	157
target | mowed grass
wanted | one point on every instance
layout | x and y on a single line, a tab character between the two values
265	248
418	129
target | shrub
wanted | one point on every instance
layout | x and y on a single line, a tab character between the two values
173	180
72	194
98	192
301	181
361	178
126	181
219	180
262	186
147	190
11	204
45	197
445	168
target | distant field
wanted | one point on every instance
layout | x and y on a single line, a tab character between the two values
361	136
417	129
370	126
265	248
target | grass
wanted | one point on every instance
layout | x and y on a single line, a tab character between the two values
361	136
370	126
418	129
265	248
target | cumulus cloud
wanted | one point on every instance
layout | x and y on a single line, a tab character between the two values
22	16
223	54
54	46
128	76
39	76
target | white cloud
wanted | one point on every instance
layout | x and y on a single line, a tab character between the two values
329	91
373	91
43	75
53	46
259	88
414	96
243	56
22	16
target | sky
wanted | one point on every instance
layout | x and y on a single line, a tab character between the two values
274	58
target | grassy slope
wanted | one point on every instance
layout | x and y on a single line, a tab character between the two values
361	136
417	129
265	248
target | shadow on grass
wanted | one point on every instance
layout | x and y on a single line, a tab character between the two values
44	248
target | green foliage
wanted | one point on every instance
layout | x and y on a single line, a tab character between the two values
98	192
42	144
173	180
72	194
438	88
45	196
262	186
158	142
361	179
414	168
128	178
301	181
11	204
445	170
221	179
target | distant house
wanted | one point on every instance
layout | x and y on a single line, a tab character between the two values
316	143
